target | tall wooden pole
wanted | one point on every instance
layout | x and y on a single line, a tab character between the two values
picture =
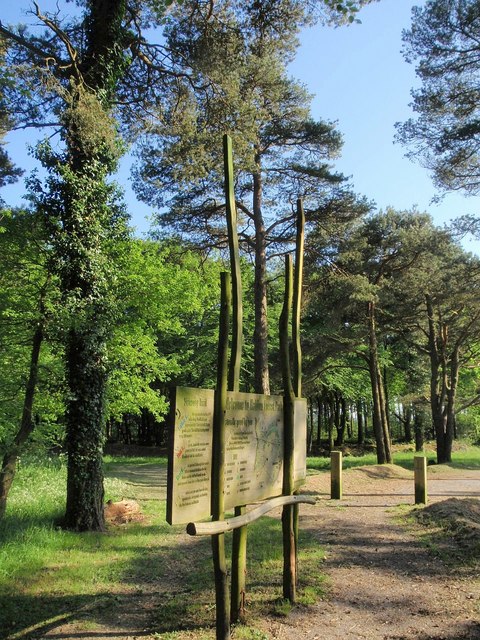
297	300
237	324
288	528
218	458
239	542
297	347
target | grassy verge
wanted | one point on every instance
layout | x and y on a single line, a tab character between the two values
144	576
464	456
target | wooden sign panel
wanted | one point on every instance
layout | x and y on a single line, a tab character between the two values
253	451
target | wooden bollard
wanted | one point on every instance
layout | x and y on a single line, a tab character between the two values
420	469
336	475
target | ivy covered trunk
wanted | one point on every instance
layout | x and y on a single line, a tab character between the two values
85	430
87	220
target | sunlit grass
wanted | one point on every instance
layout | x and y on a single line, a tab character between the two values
48	574
463	456
134	460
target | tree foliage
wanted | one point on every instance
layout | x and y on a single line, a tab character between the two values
281	152
165	327
8	172
402	295
444	43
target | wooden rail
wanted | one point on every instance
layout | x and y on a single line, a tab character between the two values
221	526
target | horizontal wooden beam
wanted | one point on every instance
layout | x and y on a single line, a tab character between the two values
221	526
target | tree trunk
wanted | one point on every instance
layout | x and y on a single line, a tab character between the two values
367	411
451	397
260	335
320	413
9	464
341	416
85	428
438	385
419	429
385	421
350	422
331	420
386	401
360	424
407	424
310	426
80	255
378	415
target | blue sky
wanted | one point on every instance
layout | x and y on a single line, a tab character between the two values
361	81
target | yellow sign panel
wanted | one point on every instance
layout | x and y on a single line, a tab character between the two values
253	451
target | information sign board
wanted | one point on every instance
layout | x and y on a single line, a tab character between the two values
253	451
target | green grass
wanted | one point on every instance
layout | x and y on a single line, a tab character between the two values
113	461
464	456
49	576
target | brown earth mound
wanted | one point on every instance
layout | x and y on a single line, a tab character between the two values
460	517
384	471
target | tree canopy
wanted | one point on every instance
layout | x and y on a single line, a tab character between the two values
241	86
443	42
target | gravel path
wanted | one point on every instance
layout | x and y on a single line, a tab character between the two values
384	584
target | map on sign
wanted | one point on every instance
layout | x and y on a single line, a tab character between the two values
253	448
253	451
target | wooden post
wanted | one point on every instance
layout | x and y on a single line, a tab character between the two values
288	525
336	475
239	541
297	347
420	473
237	324
297	301
218	457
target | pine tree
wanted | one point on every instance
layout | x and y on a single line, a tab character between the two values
239	58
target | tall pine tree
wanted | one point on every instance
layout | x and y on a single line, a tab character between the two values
239	58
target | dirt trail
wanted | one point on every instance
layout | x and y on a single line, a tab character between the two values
384	584
145	481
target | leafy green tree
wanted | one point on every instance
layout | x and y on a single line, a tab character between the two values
8	172
452	327
434	306
76	84
27	299
166	326
359	280
443	41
